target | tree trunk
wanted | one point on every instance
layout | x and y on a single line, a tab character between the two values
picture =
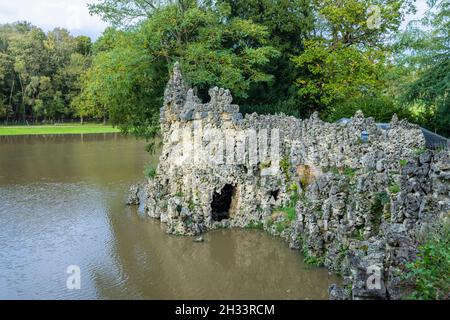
81	119
23	98
10	95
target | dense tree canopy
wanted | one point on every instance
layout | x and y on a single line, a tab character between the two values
40	73
127	80
291	56
347	55
424	54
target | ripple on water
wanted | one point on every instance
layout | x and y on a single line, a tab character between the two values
62	203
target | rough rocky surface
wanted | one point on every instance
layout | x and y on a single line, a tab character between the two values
353	197
133	195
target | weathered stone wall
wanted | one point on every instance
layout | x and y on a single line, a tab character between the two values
351	196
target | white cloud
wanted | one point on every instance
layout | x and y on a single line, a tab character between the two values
48	14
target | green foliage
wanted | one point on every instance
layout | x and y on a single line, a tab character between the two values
403	162
419	151
345	170
381	107
310	259
122	83
280	226
289	56
258	225
345	58
72	128
394	188
288	23
339	75
349	172
423	52
40	72
125	13
191	205
127	79
383	198
430	272
291	213
150	170
264	165
358	234
293	188
289	107
285	165
377	209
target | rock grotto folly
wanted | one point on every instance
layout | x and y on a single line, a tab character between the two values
353	197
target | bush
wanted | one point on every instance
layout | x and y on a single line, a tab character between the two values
150	170
431	270
289	107
380	108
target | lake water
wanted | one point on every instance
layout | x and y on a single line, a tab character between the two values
62	203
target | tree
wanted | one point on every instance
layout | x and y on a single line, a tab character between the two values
288	22
40	73
6	74
128	79
125	13
425	54
347	53
30	60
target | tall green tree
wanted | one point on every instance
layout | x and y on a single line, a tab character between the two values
128	80
126	13
347	54
288	23
39	72
425	56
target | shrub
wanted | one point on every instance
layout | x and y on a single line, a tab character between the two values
280	226
381	108
419	151
349	172
430	272
285	165
290	212
150	170
255	225
394	188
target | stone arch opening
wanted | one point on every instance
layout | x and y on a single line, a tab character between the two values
221	204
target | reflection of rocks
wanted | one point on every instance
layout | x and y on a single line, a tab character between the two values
359	204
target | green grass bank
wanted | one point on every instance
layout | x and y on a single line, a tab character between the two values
72	128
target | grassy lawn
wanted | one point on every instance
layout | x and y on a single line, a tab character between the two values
56	129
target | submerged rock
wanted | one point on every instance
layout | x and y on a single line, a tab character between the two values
133	195
199	239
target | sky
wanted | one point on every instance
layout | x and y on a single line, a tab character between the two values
74	15
422	7
48	14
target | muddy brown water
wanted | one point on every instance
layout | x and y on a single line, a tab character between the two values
62	203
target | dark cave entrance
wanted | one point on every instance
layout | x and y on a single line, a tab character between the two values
275	194
220	206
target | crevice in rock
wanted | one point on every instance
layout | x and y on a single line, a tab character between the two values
220	206
274	194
